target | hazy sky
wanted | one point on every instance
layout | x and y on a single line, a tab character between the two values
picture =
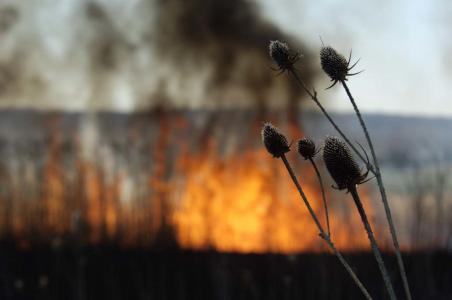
405	49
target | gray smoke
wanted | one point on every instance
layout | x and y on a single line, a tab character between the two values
134	55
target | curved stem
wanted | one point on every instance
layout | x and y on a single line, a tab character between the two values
323	196
373	242
322	233
302	194
313	96
383	194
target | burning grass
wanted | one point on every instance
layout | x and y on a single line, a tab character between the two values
165	172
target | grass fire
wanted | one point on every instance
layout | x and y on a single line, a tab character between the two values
222	150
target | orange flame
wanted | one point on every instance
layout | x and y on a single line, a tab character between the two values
247	203
240	202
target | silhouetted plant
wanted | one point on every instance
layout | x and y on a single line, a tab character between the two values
277	145
290	68
338	69
346	173
338	72
335	65
308	150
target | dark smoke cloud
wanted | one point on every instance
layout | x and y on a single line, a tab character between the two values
118	55
8	16
230	39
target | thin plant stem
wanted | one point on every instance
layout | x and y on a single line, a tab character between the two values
322	233
373	243
383	194
313	96
323	196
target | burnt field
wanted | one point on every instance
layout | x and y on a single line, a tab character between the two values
108	272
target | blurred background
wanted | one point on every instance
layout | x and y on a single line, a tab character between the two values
131	161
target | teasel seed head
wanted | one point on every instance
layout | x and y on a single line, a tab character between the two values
281	54
306	148
335	65
275	142
341	165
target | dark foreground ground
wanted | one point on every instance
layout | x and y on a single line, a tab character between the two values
111	273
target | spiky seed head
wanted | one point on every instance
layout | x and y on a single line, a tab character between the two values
340	163
281	55
306	148
334	64
275	142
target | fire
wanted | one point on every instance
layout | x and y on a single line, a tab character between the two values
246	202
237	201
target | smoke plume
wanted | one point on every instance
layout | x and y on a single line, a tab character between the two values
135	55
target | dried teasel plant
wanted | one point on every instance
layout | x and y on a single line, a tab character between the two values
276	144
338	69
281	54
346	173
308	150
333	63
341	165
